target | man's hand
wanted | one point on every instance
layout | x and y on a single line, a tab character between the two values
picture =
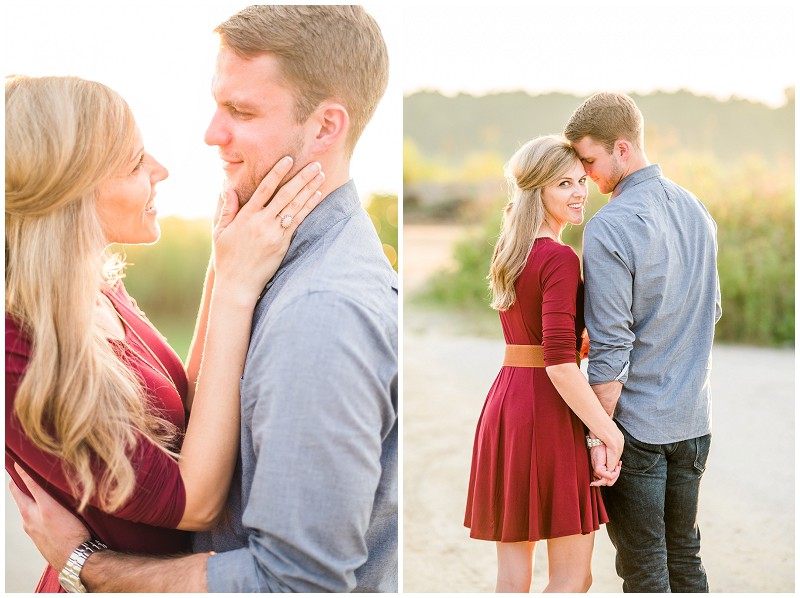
604	474
54	530
56	533
608	395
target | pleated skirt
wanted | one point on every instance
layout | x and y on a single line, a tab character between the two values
530	471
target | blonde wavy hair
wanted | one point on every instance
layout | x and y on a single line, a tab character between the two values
77	400
537	164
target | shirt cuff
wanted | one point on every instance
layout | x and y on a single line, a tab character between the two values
623	375
601	373
232	571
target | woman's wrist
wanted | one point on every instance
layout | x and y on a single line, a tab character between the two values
232	296
610	435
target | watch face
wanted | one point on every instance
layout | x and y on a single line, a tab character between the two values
69	584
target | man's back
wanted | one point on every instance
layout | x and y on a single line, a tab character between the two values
317	484
652	299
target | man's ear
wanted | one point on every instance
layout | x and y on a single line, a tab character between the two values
623	147
330	122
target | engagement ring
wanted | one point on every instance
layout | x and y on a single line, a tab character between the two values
286	220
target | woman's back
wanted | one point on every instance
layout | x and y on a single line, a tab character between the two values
549	292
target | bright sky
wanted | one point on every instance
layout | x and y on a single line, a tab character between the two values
712	47
160	57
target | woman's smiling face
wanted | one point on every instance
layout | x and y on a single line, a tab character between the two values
564	200
124	202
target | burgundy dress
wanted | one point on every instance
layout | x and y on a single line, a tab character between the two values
530	466
146	523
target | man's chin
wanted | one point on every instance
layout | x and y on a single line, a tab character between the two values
243	195
244	191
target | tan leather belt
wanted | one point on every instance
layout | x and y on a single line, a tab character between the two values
528	356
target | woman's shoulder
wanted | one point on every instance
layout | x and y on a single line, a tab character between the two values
554	261
553	252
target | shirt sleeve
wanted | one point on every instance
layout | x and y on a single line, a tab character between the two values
159	498
608	297
318	423
560	280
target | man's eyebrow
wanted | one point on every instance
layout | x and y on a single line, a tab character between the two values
239	104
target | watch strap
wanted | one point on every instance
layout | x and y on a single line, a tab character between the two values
70	576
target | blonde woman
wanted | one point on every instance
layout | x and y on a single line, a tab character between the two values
531	477
96	401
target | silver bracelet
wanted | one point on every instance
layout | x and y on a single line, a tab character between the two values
593	442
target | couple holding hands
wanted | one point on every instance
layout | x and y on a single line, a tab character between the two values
549	462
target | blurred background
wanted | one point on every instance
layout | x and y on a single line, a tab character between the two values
736	155
160	57
716	85
729	141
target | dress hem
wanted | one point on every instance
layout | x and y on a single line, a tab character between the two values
553	537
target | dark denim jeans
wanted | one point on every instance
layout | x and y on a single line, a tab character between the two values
652	511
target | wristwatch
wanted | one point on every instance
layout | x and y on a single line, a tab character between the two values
70	576
593	442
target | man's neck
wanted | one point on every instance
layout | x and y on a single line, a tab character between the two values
635	164
337	173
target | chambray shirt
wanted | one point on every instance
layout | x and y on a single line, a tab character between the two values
313	502
652	298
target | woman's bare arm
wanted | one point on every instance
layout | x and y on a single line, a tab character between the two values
195	356
579	396
248	248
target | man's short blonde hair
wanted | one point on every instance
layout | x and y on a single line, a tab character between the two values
327	52
607	117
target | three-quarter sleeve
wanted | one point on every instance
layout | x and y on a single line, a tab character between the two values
608	301
560	281
159	498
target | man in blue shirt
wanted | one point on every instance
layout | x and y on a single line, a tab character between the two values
652	299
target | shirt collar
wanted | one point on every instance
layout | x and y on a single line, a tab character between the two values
336	206
641	175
